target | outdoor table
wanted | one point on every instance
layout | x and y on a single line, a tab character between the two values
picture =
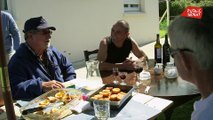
139	106
177	90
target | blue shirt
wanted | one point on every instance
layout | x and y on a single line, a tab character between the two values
12	37
27	73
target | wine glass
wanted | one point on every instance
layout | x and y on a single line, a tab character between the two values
115	73
123	77
138	70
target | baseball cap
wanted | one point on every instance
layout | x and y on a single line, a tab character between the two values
37	23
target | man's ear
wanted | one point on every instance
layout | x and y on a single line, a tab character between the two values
128	34
186	61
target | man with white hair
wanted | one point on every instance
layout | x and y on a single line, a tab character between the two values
37	66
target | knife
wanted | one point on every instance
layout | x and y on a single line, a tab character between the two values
31	110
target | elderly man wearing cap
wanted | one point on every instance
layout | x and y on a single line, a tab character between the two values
38	67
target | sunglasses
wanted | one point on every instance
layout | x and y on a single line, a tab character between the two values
175	51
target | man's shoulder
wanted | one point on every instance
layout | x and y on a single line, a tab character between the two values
52	48
105	40
5	14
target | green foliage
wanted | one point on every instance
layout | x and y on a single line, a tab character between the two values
163	28
205	3
178	6
163	33
162	6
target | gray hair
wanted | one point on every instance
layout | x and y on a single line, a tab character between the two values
196	35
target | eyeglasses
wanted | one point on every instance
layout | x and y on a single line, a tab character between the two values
42	32
175	51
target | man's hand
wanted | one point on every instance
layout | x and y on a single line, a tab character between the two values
53	84
129	64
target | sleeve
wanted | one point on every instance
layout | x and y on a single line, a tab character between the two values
14	31
66	66
22	87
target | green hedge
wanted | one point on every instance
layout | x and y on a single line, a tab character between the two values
178	6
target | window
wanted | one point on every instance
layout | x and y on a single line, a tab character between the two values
132	6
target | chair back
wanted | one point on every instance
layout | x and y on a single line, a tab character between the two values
90	54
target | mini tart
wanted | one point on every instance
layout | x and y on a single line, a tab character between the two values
106	94
109	88
113	97
44	102
120	96
52	99
67	98
60	94
105	90
53	110
98	96
116	90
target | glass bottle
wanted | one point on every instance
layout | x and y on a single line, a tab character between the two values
166	56
158	49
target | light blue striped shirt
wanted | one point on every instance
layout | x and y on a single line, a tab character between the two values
12	37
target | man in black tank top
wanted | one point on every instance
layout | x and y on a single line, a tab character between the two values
114	50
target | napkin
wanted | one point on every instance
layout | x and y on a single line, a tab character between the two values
22	103
83	105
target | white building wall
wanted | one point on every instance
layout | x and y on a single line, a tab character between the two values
144	25
81	24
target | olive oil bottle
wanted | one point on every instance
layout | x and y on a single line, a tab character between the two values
158	50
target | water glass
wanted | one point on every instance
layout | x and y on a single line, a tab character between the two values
102	109
92	68
145	78
158	69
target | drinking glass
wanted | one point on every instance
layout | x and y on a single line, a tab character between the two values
123	77
138	70
102	109
115	74
145	80
92	68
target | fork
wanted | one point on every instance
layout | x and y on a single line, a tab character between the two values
146	91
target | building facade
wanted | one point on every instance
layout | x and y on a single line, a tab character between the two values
81	24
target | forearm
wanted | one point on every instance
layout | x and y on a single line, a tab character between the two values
109	66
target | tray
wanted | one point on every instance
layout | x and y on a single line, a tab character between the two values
115	104
52	105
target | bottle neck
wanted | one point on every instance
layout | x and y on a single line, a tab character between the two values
166	40
158	39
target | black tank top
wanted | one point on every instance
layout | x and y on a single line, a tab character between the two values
115	54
